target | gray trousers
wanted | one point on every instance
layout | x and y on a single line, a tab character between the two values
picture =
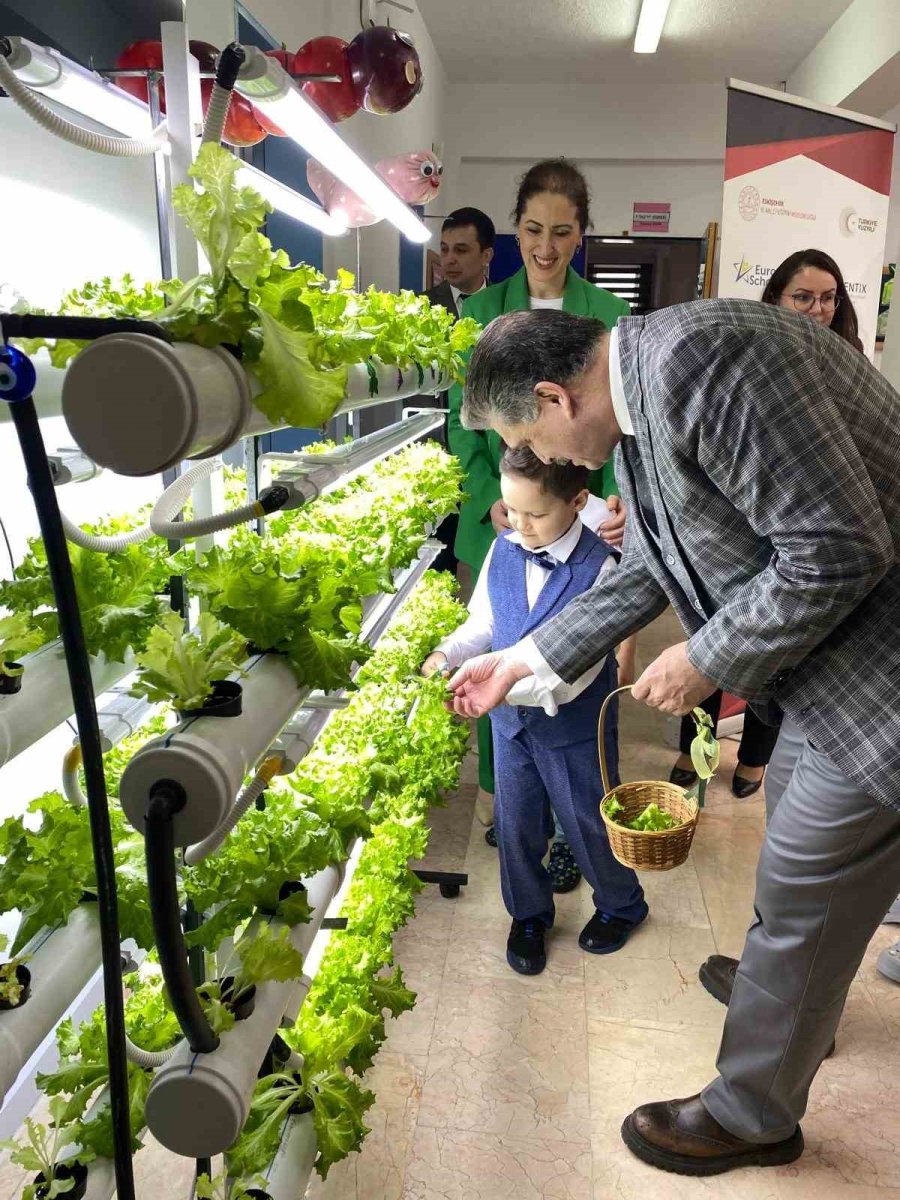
828	871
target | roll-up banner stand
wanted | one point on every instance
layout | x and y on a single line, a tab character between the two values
801	176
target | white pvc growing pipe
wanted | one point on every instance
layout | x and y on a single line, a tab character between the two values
177	494
100	143
290	1169
198	1103
60	966
45	700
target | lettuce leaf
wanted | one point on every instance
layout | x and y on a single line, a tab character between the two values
181	667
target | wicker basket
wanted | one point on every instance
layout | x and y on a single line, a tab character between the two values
648	851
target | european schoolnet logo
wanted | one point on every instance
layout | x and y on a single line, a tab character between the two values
752	274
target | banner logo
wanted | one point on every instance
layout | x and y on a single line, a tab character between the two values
742	268
850	223
751	274
749	202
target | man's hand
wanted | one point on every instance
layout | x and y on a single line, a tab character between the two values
436	661
498	516
672	683
482	683
613	529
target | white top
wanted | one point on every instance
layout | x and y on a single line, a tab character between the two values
457	292
556	302
475	635
617	387
547	687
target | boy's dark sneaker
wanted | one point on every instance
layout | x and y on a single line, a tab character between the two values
490	836
525	946
563	868
604	934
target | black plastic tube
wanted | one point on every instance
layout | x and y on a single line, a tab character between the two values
43	493
78	329
228	67
166	798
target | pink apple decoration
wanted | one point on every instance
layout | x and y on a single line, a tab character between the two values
415	177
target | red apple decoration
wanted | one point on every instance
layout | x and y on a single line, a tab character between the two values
385	69
241	127
327	56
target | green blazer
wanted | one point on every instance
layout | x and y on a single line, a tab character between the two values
479	451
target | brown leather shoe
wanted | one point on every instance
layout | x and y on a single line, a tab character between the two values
680	1136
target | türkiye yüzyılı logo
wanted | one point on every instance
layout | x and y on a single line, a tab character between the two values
850	223
752	274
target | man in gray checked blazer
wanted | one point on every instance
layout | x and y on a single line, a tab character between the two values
759	457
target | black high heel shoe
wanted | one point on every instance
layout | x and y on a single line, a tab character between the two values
682	777
742	787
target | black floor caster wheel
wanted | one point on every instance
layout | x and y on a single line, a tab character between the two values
449	890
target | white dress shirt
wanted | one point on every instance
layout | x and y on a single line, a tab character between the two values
457	292
476	634
547	687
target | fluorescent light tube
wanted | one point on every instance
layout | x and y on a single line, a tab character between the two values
287	201
65	82
263	81
650	26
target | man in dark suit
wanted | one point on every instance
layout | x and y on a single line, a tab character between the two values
467	247
757	454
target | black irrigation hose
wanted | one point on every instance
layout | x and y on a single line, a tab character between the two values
25	419
166	799
78	329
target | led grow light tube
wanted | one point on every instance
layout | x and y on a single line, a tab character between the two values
66	82
289	202
265	82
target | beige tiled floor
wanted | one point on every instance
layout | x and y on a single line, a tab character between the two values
521	1085
498	1087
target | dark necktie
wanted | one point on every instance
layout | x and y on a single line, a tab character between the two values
541	557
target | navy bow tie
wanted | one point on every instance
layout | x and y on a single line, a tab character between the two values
542	558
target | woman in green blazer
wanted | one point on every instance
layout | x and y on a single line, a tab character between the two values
551	217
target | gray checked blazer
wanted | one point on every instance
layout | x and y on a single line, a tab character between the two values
763	493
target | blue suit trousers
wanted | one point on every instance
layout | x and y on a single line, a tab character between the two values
534	782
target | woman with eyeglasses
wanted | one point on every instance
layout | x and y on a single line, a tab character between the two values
809	282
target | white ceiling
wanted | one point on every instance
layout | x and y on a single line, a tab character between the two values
591	40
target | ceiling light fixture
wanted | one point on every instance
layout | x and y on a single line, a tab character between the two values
650	25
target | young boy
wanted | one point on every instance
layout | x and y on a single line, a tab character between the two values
546	764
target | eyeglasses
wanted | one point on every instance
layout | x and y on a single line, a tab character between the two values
804	302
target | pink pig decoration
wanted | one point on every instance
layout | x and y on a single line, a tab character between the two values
415	177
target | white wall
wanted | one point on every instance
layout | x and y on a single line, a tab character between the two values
69	215
667	145
857	62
